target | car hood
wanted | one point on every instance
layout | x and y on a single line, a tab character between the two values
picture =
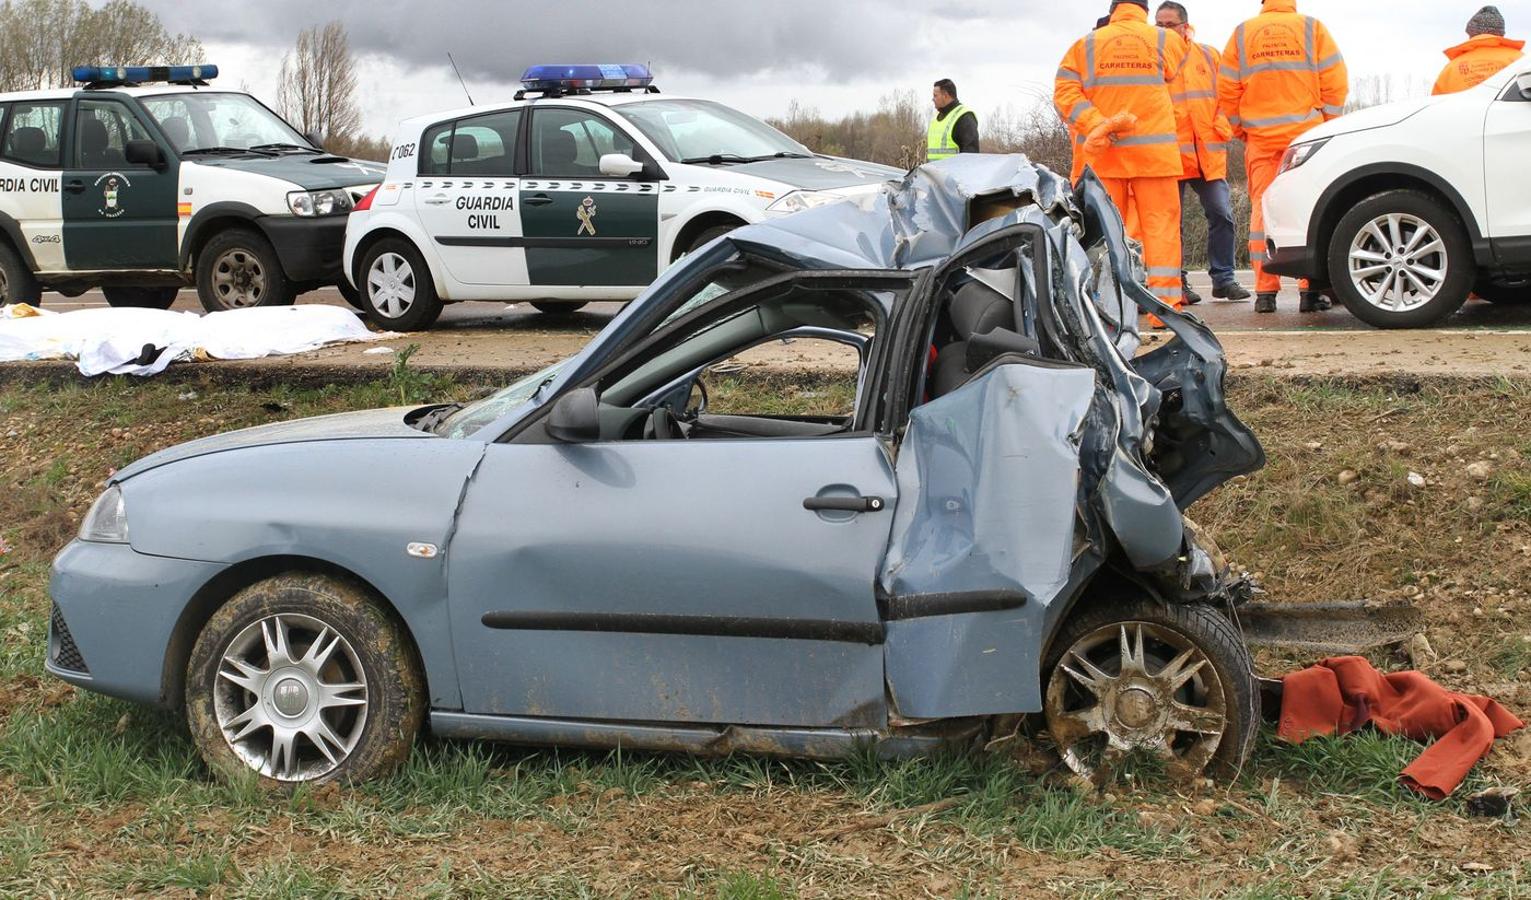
372	423
302	169
821	173
1384	116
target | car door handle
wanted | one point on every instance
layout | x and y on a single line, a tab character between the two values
75	187
538	200
439	200
845	504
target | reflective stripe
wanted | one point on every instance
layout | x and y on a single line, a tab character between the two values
1083	107
1194	95
1294	119
1164	272
1187	148
1229	72
1164	64
1218	146
1243	52
1329	62
1067	74
1167	293
1142	140
1257	237
1311	37
1123	80
1258	257
1235	121
1278	67
1089	55
1334	110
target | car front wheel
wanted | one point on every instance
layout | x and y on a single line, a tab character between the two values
239	269
1401	259
304	679
397	291
1173	682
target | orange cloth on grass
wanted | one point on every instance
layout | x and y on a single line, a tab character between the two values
1342	694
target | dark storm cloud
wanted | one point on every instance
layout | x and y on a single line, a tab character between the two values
845	38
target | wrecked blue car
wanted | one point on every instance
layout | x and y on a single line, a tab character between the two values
983	527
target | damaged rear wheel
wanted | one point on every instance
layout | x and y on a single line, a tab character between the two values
1171	683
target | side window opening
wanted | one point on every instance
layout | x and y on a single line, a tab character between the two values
102	132
32	134
569	143
481	145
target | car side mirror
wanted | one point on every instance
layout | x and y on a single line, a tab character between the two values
619	165
576	417
144	153
1524	83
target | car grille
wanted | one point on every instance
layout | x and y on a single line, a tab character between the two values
61	648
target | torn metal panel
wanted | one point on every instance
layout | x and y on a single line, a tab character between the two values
987	482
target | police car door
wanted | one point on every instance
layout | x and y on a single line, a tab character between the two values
466	199
31	158
116	215
584	229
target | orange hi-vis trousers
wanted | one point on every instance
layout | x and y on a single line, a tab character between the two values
1263	165
1150	208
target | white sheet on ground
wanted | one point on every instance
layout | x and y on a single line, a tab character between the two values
114	340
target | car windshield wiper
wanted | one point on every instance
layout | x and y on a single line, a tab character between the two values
209	151
718	159
300	147
430	420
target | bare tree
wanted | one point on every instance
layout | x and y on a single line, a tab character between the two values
41	41
318	84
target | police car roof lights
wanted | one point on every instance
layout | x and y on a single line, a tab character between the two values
555	81
119	75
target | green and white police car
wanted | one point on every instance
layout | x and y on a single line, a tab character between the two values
583	189
145	180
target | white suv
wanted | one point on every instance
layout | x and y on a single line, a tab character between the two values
1407	209
585	188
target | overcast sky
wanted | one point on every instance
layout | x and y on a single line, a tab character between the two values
833	55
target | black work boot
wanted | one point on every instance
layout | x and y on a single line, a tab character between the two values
1191	297
1313	301
1265	303
1229	290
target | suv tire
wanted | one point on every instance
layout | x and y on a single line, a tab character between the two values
141	297
554	308
17	283
239	269
1401	259
398	293
304	679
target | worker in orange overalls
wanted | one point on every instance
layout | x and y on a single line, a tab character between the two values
1204	135
1113	90
1282	74
1486	52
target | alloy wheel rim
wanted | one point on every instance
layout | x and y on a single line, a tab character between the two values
391	285
291	697
1136	687
1398	262
239	279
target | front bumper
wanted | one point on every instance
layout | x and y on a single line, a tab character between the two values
1290	212
310	248
115	615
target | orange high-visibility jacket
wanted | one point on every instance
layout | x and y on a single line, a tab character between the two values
1126	66
1203	129
1282	74
1476	61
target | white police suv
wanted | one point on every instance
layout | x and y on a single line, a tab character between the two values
1406	209
145	180
583	189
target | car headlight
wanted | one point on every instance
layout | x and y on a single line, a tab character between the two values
1297	154
797	201
319	203
107	521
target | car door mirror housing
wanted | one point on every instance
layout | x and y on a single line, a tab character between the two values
144	153
620	165
576	417
1524	83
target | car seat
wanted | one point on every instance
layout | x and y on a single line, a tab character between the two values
177	131
560	154
96	151
983	323
30	145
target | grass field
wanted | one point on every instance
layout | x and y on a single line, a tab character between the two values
102	798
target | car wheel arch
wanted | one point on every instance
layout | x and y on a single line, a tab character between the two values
387	232
1369	181
222	587
212	220
698	224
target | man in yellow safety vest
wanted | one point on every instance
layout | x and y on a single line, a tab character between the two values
955	127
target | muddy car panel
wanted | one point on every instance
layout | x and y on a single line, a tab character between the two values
585	588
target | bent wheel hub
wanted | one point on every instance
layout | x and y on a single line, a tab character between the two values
1398	262
391	285
291	697
1136	686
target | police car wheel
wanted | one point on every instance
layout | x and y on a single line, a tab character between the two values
141	297
238	269
397	289
351	295
708	237
17	283
551	308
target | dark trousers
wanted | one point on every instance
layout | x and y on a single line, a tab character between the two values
1217	204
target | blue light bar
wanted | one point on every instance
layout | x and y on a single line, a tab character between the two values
143	74
588	77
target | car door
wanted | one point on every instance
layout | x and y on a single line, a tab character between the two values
466	199
722	580
584	229
31	161
1506	147
117	215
